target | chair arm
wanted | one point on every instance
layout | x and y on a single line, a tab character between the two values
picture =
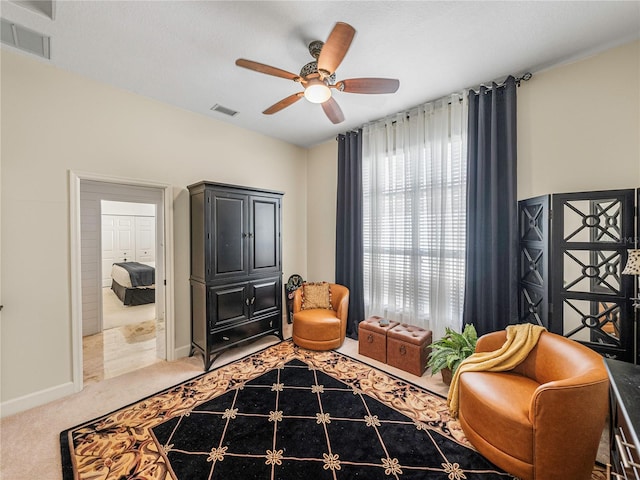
343	307
568	393
340	301
297	300
491	341
560	431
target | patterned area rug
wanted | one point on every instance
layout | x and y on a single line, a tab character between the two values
282	413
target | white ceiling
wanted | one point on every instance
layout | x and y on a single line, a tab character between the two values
183	52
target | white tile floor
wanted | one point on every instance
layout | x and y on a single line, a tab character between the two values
131	340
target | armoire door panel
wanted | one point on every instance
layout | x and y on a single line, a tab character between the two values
228	305
266	296
230	234
265	234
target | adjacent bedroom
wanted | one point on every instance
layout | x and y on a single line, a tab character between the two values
129	328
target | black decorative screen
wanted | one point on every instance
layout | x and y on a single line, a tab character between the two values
534	260
593	271
591	233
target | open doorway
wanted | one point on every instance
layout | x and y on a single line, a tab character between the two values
119	326
131	336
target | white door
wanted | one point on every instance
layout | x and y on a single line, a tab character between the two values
145	239
125	239
118	243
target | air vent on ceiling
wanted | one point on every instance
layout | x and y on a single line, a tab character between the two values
44	7
224	110
25	39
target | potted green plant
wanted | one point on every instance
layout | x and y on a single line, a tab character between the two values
448	352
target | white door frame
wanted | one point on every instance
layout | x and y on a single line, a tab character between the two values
76	276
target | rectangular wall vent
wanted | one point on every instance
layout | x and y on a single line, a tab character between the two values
44	7
224	110
25	39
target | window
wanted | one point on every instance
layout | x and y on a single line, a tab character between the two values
414	184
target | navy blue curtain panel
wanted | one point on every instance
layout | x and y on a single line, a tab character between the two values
491	289
349	246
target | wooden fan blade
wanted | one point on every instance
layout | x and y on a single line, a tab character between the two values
369	85
267	69
336	46
333	111
284	103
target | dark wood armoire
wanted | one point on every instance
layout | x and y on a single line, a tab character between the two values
236	269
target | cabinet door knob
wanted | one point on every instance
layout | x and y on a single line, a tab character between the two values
253	300
246	301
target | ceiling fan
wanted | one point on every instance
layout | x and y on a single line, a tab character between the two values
318	77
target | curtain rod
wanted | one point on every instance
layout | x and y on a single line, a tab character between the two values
525	77
359	130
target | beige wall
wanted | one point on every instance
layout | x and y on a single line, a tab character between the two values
322	180
579	125
53	122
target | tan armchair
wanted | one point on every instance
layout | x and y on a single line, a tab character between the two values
321	328
542	420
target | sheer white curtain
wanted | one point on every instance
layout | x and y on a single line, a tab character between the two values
414	188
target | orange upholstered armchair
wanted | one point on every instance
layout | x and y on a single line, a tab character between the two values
322	328
542	420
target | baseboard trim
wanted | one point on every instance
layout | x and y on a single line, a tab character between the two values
35	399
182	351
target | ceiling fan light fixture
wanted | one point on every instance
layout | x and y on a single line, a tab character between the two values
317	91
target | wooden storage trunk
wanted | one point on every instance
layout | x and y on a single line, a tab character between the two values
372	338
408	347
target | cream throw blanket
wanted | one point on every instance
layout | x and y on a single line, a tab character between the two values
520	341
